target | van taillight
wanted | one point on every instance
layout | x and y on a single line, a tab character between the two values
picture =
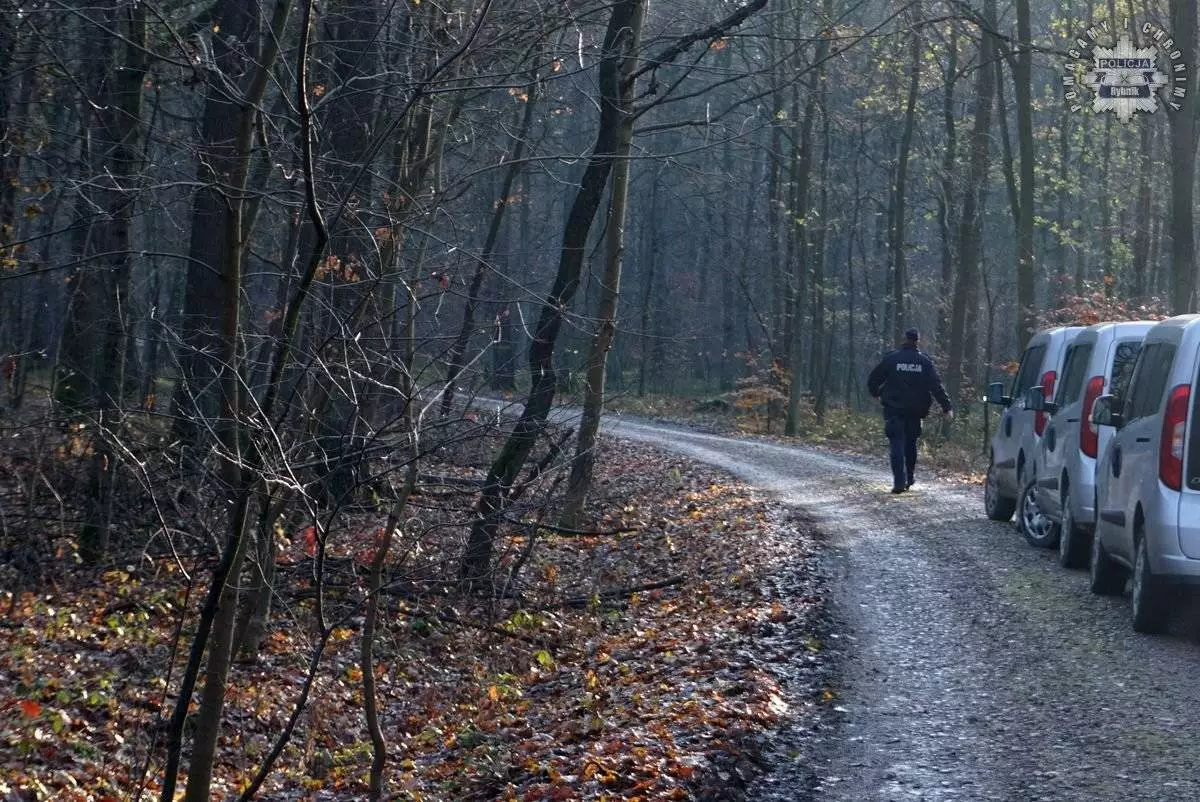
1039	423
1170	448
1089	433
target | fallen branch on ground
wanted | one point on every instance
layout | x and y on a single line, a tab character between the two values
623	593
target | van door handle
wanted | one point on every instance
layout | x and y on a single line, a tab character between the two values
1072	420
1142	439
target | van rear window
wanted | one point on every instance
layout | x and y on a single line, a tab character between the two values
1150	380
1122	366
1073	374
1030	370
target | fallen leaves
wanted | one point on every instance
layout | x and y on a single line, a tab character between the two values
649	694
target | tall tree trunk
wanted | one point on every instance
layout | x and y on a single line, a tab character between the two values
477	557
970	223
899	187
1183	165
822	337
228	135
197	397
610	291
802	211
10	154
945	201
796	217
748	229
92	370
776	211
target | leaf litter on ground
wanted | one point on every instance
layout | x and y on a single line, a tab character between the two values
573	685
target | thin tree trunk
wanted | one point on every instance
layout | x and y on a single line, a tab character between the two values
1061	193
1023	92
610	292
1006	150
1141	226
477	558
458	351
649	262
945	201
383	544
1106	204
852	297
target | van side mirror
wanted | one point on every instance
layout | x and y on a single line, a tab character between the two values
1036	401
1104	412
995	395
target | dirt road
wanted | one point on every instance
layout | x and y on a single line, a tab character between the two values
971	666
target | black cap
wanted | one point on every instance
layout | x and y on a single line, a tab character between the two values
912	335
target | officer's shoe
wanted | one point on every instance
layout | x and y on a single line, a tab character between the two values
899	489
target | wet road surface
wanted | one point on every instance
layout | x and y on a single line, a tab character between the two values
970	666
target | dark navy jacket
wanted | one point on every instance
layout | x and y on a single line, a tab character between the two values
907	383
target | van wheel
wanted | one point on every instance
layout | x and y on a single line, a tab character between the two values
1072	541
1039	530
1107	578
1148	596
998	506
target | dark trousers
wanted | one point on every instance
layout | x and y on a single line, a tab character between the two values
902	432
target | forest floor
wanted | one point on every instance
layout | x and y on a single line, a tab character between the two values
588	690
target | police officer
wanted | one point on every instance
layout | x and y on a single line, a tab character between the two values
907	383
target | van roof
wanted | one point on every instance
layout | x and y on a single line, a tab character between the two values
1179	321
1172	328
1121	326
1048	334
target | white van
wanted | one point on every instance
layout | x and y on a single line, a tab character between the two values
1064	470
1020	430
1148	479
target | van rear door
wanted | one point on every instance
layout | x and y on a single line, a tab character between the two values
1016	424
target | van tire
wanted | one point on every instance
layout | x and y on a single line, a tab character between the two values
1148	593
1107	578
998	506
1038	530
1072	541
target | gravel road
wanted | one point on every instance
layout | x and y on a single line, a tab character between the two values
971	667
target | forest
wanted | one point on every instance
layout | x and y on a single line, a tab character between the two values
292	292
